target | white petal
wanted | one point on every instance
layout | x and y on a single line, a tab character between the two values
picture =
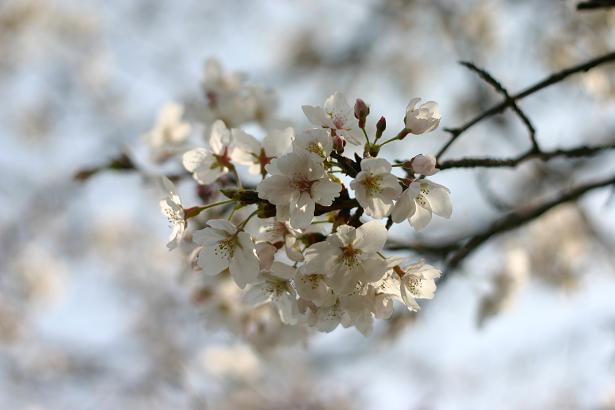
316	115
404	207
376	165
212	260
278	142
244	265
301	210
371	237
258	294
223	225
220	137
325	191
287	308
421	217
195	158
282	270
276	189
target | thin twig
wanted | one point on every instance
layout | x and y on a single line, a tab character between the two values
521	217
455	251
546	82
483	74
577	152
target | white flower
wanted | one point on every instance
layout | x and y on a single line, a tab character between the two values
424	164
383	293
273	285
418	282
226	248
207	165
278	229
422	119
327	318
172	208
375	187
349	256
256	154
169	132
226	96
264	103
338	116
419	201
300	181
357	308
316	140
313	287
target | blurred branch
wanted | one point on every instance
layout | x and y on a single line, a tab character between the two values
595	4
483	74
546	82
577	152
454	252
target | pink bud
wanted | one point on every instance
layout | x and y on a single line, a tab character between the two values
338	144
361	111
424	164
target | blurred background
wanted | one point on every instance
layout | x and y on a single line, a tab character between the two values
95	313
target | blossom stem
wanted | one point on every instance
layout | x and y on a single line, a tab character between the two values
195	210
245	221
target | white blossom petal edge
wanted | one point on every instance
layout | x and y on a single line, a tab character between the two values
226	248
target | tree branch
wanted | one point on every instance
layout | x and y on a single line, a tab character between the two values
546	82
577	152
482	73
460	248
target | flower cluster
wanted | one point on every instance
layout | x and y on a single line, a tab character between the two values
313	239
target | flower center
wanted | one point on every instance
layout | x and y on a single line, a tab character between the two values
302	184
349	256
372	184
316	148
226	248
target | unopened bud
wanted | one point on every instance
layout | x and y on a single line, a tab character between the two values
361	111
424	164
338	144
381	125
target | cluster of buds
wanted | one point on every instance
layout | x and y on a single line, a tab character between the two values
312	242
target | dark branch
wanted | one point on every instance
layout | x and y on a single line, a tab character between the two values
577	152
459	249
521	217
595	4
482	73
546	82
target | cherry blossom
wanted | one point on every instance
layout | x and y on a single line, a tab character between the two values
417	282
172	208
273	285
349	255
298	180
423	119
208	164
225	247
257	154
424	164
417	203
337	116
317	141
170	132
375	187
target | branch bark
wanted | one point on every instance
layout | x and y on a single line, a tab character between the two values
507	102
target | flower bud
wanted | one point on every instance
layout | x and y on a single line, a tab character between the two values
361	111
425	118
338	144
424	164
381	125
